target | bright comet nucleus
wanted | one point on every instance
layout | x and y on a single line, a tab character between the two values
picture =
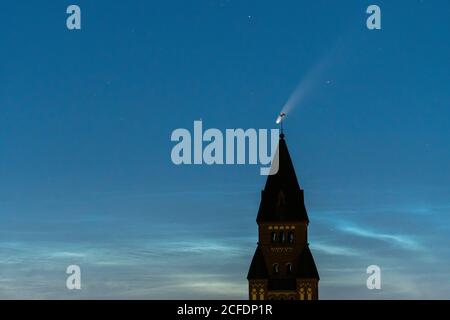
280	117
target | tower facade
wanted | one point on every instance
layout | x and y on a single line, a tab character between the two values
283	266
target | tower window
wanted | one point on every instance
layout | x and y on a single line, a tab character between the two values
273	237
302	293
291	237
281	199
276	268
289	268
281	237
261	294
309	293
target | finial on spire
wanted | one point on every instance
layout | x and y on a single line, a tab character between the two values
280	122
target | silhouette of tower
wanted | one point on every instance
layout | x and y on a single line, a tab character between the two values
283	266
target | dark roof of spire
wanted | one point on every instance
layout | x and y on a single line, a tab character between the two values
306	265
258	269
282	198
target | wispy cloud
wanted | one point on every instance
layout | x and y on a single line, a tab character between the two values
404	241
334	249
178	261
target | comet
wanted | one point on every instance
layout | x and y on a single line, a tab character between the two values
307	87
280	117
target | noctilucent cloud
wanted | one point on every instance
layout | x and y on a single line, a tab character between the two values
86	117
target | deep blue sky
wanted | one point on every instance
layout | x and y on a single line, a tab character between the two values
86	117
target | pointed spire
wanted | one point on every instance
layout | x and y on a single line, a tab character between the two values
282	185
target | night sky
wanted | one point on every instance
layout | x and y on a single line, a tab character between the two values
86	117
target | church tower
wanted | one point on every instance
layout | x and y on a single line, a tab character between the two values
283	266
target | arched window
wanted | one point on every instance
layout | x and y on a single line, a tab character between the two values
261	294
309	293
302	293
281	237
291	237
276	268
289	268
281	199
273	237
253	294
